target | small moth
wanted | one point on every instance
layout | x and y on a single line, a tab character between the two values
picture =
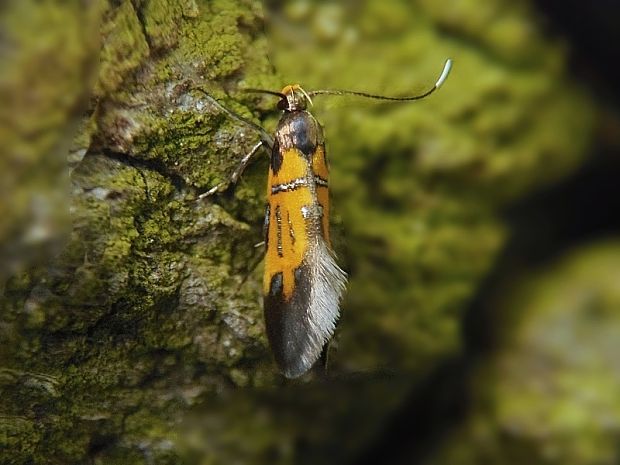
302	285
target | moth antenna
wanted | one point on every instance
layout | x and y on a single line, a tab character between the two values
442	78
265	91
306	95
264	135
444	73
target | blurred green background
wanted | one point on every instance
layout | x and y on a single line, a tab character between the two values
479	228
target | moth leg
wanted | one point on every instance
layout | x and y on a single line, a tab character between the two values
262	243
244	163
268	140
324	358
236	174
320	369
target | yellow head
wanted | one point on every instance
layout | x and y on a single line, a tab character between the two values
296	98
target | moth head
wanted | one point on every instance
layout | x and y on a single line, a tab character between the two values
294	98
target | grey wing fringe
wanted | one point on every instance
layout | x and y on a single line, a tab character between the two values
327	286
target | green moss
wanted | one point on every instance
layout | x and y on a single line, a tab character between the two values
147	291
183	126
124	47
43	92
549	395
161	21
19	436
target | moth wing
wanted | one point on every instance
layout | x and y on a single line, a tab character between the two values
299	327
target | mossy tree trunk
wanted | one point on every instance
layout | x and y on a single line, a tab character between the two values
143	309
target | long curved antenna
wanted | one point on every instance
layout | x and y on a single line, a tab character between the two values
265	137
280	94
444	75
306	95
263	91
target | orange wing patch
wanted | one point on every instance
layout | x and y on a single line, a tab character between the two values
287	238
293	166
320	169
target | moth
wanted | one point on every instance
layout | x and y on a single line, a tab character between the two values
303	284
